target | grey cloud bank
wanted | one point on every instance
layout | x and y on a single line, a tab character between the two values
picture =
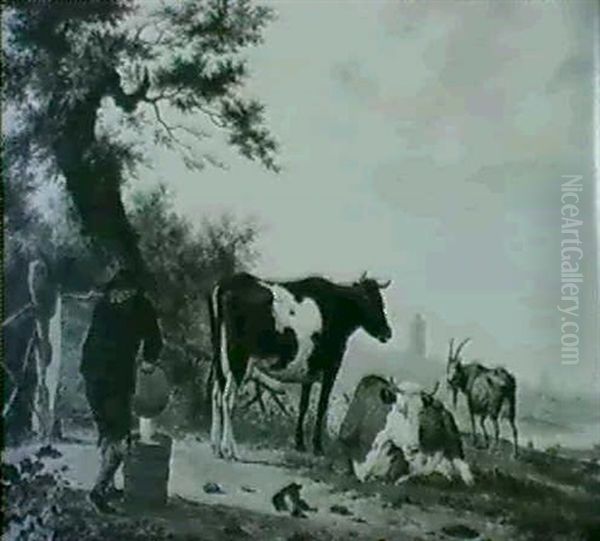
426	142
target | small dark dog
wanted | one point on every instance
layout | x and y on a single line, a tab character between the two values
289	499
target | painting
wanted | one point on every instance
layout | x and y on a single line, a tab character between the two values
300	270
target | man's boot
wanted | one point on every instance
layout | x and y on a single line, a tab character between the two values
100	502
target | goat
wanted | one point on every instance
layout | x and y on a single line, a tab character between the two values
486	391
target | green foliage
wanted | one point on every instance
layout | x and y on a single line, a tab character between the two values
62	58
31	495
186	262
39	505
40	221
67	63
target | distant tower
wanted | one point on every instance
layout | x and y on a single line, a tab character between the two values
418	336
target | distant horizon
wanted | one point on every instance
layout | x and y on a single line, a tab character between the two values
363	347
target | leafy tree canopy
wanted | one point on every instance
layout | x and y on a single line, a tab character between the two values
64	60
187	260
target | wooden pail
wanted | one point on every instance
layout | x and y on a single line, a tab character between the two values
151	393
146	472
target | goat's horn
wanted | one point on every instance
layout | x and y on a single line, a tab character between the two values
363	276
383	285
451	346
435	388
461	345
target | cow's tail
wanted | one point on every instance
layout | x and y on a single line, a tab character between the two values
215	319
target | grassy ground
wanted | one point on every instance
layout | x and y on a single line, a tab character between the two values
183	520
541	495
40	504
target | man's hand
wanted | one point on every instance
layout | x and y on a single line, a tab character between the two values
147	368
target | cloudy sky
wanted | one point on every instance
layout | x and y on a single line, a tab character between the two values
425	142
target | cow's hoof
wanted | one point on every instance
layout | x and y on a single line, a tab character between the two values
216	450
229	453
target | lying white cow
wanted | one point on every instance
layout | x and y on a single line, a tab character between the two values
393	432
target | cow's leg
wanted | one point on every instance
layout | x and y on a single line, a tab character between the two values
304	400
228	445
483	429
217	419
349	466
496	432
326	386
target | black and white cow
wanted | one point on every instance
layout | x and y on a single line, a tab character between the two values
392	432
292	332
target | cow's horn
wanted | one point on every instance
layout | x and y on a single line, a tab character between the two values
383	285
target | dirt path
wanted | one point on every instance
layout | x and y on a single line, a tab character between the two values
248	487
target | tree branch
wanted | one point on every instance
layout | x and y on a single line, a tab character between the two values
192	158
128	102
172	128
17	387
260	387
214	116
82	296
16	315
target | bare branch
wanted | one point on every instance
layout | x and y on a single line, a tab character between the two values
9	373
216	118
15	391
191	157
169	129
163	96
16	315
82	296
137	35
260	387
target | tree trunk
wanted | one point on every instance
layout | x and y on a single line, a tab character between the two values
93	179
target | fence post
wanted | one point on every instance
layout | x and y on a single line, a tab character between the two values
46	302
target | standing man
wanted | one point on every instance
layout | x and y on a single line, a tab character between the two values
123	319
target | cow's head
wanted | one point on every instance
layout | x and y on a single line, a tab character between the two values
415	437
373	318
454	372
404	403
